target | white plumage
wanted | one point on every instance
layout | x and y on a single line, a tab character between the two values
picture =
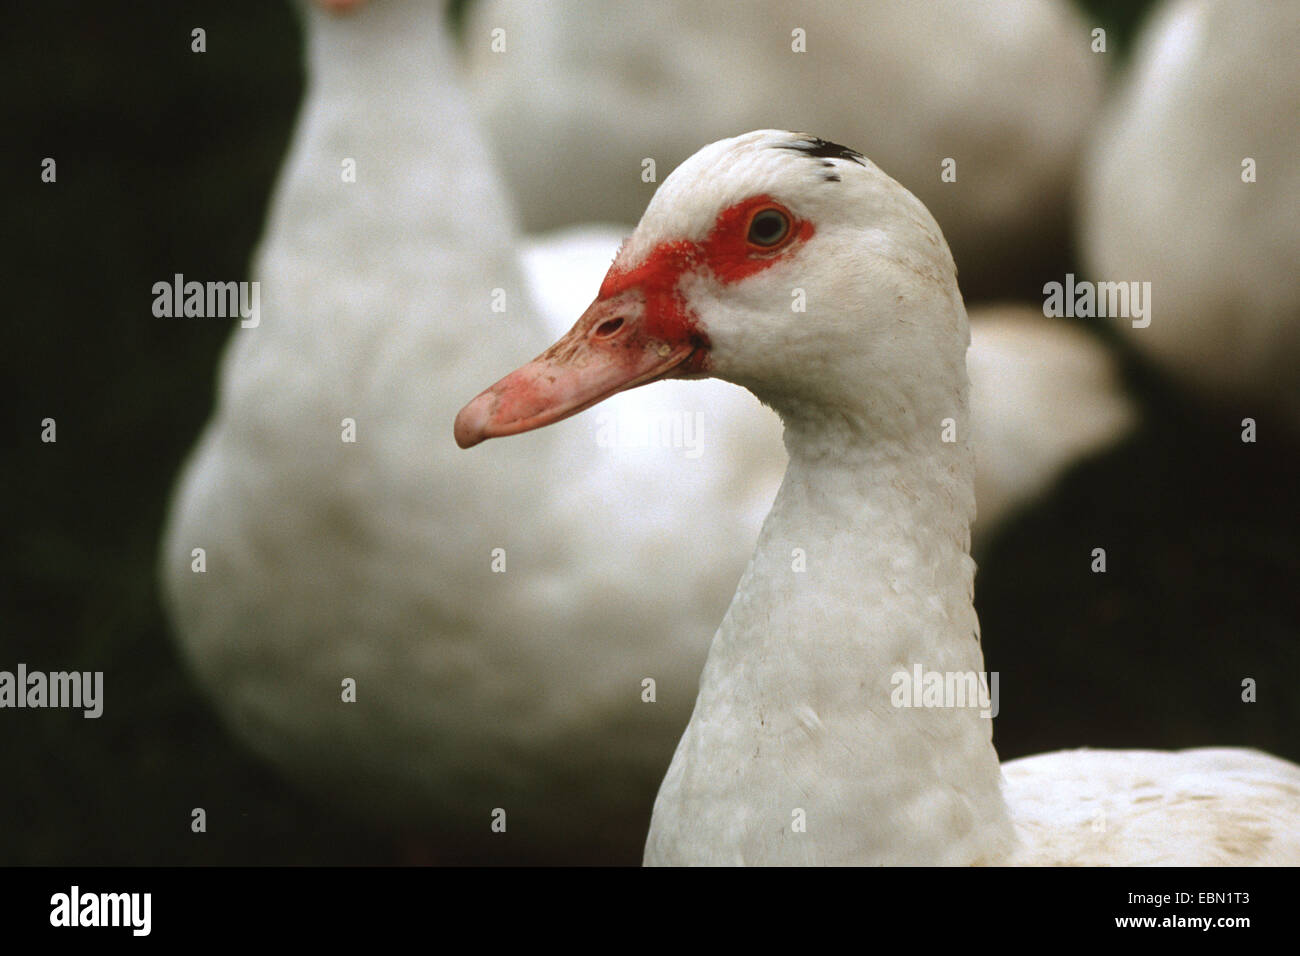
373	560
1044	394
597	87
1212	97
622	533
800	749
1213	806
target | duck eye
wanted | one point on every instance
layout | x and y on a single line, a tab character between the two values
768	227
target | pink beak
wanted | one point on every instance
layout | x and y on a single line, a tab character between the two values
607	351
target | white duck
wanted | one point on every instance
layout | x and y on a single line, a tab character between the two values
594	87
798	750
1044	394
373	560
1212	99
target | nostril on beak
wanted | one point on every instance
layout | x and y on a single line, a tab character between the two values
606	329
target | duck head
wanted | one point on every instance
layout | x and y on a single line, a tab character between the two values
774	260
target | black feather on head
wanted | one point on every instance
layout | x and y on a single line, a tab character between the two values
822	149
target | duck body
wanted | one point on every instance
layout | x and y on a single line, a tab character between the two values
1044	395
800	749
597	88
1210	806
1190	184
373	561
491	613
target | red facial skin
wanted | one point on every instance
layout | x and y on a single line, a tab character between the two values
339	6
638	330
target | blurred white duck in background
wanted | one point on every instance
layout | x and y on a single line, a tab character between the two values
596	87
1211	99
374	560
801	749
1044	394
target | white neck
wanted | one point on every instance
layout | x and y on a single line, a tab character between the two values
795	710
392	272
383	89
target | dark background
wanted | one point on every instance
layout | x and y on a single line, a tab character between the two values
165	162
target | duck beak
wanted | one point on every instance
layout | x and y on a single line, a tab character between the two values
608	351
